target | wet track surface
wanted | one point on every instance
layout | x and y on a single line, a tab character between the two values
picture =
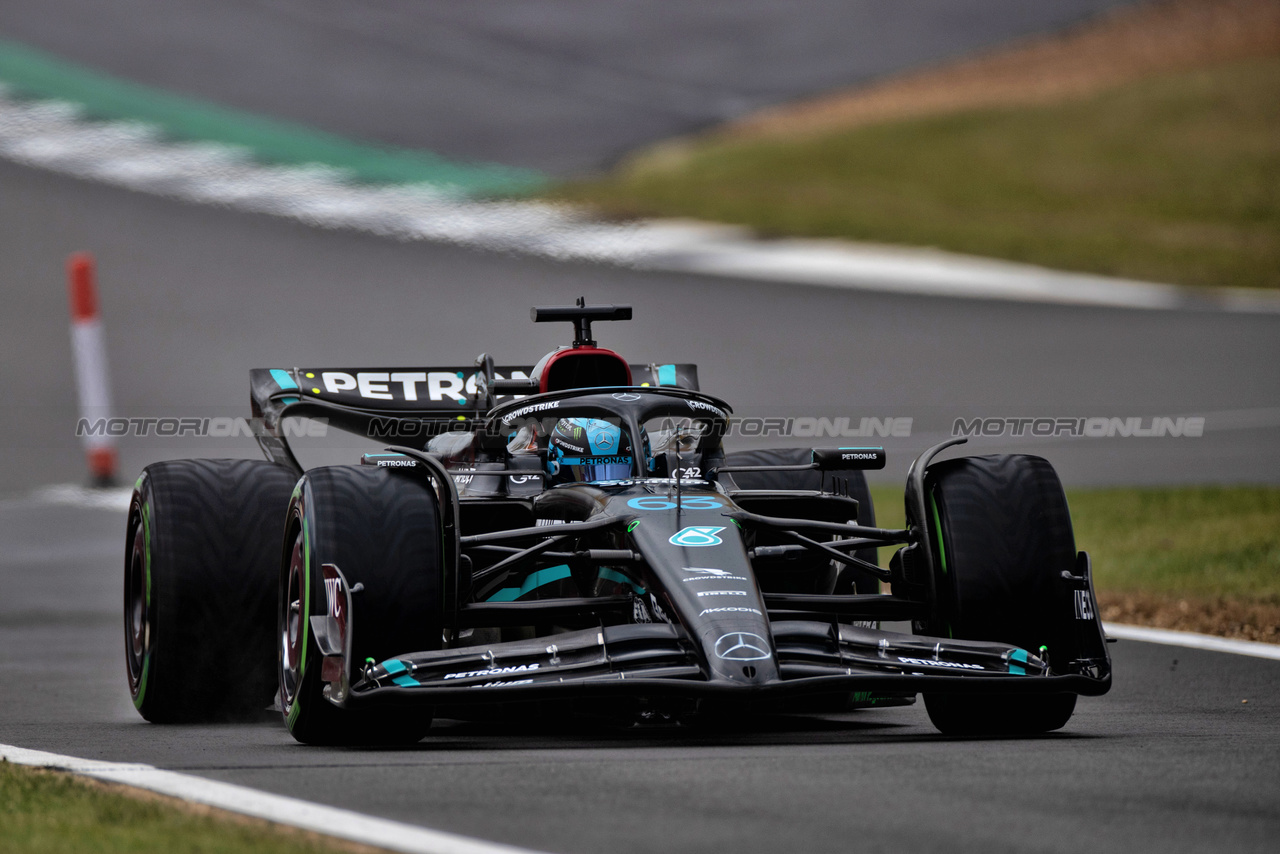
1172	760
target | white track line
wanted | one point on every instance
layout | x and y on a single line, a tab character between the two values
1193	640
74	495
331	821
52	135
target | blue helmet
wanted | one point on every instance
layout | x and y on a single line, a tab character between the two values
587	450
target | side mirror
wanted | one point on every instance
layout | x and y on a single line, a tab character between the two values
484	378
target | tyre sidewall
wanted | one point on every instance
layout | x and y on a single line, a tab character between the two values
333	510
1002	536
204	535
1006	539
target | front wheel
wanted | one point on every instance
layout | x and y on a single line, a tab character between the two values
382	530
1003	541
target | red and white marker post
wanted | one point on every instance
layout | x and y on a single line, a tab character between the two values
91	367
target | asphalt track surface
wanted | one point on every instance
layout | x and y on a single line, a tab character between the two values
195	296
564	86
1172	760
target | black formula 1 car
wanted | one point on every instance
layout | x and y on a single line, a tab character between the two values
576	535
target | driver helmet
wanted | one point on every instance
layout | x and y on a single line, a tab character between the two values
587	450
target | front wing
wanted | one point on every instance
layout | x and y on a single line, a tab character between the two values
646	660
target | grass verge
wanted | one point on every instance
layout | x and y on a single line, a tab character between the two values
1174	177
52	812
1203	559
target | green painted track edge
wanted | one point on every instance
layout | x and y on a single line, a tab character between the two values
33	74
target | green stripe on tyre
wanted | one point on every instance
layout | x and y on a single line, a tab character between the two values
146	574
942	549
303	628
937	527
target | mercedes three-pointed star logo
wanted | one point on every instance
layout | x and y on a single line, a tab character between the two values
742	646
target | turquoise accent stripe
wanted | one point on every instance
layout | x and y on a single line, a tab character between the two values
283	379
395	665
613	575
36	74
667	375
1018	655
533	582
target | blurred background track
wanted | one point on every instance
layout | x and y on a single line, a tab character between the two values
193	296
564	87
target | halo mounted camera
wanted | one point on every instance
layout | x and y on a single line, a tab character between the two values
581	316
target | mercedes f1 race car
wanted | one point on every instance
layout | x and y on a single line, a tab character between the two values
574	535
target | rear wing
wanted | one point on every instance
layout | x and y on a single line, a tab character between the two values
407	405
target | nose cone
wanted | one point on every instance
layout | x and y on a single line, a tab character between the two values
701	563
740	653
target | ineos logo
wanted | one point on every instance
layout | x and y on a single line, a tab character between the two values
742	646
1084	607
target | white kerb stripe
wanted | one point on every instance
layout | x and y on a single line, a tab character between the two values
1193	640
91	376
53	135
331	821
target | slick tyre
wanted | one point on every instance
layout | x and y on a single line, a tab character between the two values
857	489
382	530
201	561
1005	539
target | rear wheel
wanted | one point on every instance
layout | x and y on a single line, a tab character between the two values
199	588
382	530
846	581
1004	539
